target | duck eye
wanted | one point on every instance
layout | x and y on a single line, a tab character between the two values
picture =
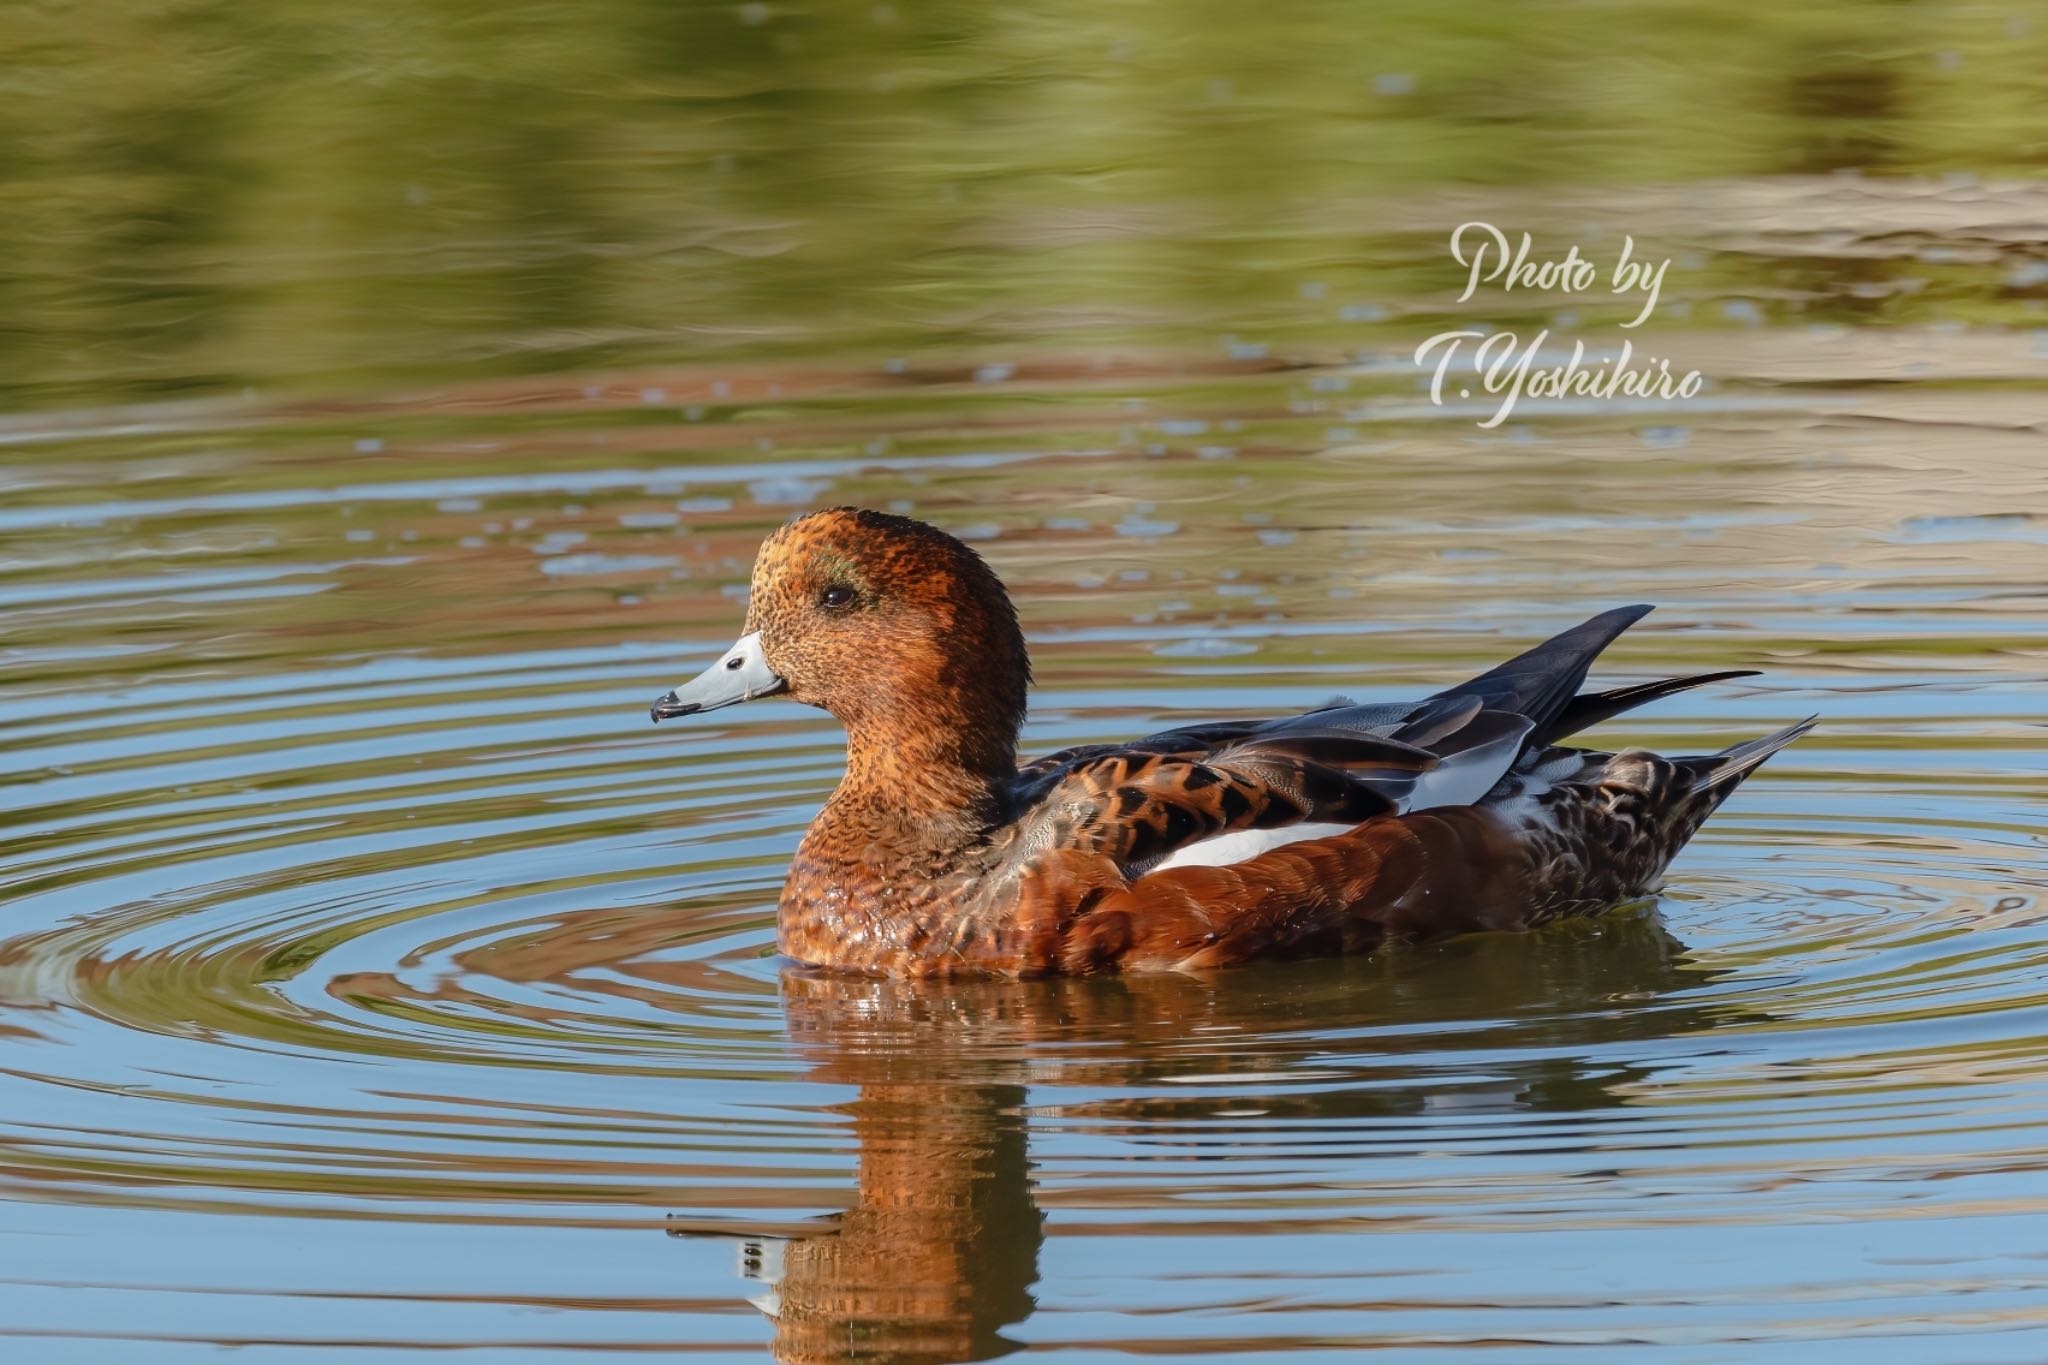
838	596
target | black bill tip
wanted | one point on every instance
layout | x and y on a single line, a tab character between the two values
666	707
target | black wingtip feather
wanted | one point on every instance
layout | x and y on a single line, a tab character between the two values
1588	709
1540	683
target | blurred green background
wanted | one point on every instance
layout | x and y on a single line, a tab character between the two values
200	196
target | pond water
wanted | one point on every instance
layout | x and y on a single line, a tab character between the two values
392	412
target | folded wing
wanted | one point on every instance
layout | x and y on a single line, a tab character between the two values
1137	808
1219	793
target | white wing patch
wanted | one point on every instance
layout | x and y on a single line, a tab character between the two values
1243	845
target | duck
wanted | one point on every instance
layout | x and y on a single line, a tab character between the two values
1335	831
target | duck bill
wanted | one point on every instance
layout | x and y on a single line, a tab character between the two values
742	675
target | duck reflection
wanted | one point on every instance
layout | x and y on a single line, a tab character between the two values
940	1250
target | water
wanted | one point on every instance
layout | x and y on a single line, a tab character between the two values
393	406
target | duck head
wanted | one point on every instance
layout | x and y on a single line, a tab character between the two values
894	627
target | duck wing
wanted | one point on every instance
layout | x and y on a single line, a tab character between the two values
1588	709
1420	724
1476	729
1138	807
1539	683
1223	792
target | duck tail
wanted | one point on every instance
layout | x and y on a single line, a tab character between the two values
1716	775
1704	781
1649	808
1707	780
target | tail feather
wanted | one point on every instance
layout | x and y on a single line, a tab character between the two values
1721	773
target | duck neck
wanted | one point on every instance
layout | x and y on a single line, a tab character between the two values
916	795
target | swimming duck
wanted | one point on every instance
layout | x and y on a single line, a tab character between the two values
1327	832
